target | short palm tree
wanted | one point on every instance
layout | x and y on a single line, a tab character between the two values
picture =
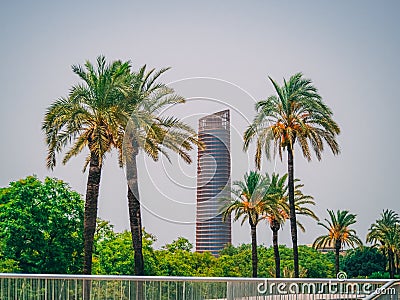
296	114
88	118
277	196
339	233
247	202
143	128
386	232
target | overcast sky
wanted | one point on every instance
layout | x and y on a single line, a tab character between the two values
221	54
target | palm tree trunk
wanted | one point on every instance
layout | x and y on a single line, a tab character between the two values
391	263
135	222
254	257
275	229
135	217
337	257
90	215
292	210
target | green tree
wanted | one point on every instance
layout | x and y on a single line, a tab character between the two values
296	114
237	261
363	261
88	117
386	232
247	202
339	233
182	262
41	226
143	128
180	244
113	253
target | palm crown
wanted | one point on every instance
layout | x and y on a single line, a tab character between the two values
338	230
247	198
386	232
339	233
297	113
89	116
145	128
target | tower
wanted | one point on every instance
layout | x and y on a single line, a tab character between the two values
213	182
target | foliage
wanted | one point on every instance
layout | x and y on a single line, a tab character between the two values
41	226
113	253
180	244
363	261
385	234
8	265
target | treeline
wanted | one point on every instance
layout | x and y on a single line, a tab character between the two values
41	231
113	255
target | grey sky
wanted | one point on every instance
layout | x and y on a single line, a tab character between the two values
348	48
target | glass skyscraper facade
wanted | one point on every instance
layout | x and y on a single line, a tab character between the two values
213	182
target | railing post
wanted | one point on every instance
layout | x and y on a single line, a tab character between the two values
228	290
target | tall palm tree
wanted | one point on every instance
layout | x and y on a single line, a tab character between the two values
296	114
339	233
143	128
247	202
277	196
386	232
88	118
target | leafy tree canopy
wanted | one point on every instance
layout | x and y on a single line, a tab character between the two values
41	227
363	261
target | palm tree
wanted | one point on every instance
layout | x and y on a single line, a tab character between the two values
247	202
386	231
142	128
277	196
296	114
339	233
88	118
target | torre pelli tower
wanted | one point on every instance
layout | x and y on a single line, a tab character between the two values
213	182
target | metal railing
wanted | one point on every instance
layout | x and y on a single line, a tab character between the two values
75	287
389	291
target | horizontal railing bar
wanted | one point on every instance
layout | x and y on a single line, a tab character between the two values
390	284
187	279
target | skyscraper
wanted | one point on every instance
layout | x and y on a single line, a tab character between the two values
213	182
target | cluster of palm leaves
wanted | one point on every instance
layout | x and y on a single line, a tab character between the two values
385	234
260	198
295	115
115	107
339	233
